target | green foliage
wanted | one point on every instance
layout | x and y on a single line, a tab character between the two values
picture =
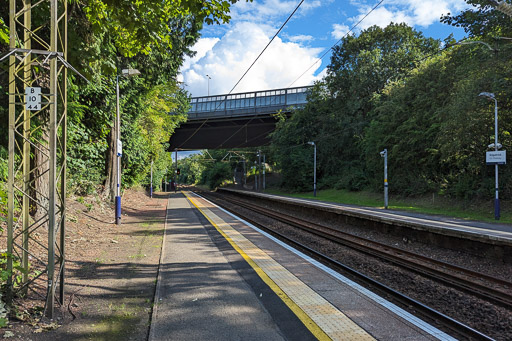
481	19
217	174
3	185
340	109
141	26
192	167
18	270
391	88
3	164
4	33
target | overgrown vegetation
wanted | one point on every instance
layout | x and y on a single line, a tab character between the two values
104	38
392	88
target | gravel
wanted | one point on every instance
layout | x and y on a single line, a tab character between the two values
492	320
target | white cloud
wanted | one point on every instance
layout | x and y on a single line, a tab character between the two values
339	31
230	57
300	38
421	13
201	48
261	11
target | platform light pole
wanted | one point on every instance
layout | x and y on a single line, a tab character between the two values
496	146
264	185
151	183
314	167
119	146
177	170
259	170
208	80
255	175
384	154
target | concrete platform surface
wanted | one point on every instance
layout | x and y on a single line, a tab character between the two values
223	279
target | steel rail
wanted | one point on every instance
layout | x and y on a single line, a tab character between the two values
453	325
464	279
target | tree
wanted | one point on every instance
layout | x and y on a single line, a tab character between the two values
340	109
482	20
108	35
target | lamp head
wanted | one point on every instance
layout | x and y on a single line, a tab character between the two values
487	94
492	145
311	143
384	152
130	72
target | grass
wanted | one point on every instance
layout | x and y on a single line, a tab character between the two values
437	205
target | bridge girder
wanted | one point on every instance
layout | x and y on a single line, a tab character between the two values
223	133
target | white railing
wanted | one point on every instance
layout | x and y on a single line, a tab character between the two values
247	102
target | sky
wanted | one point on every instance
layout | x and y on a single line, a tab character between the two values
225	52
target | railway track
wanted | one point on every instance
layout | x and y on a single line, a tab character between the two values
489	288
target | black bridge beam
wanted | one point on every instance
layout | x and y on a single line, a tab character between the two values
235	120
221	134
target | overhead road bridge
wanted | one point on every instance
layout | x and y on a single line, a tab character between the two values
236	120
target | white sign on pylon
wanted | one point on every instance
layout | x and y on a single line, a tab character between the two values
32	98
119	148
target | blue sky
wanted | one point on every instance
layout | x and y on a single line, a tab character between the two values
225	51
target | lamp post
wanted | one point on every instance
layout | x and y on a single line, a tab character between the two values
314	168
259	171
255	176
177	173
207	76
264	172
119	145
384	154
496	146
151	183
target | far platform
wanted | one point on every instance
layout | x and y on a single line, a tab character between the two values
489	232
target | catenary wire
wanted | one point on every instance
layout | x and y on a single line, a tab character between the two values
339	41
245	73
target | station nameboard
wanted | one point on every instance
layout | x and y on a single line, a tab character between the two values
496	157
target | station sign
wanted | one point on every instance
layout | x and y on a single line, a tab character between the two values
496	157
119	148
32	98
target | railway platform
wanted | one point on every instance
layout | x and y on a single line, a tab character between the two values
221	278
492	240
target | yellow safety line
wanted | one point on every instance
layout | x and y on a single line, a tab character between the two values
303	317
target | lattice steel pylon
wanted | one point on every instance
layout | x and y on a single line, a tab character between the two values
37	150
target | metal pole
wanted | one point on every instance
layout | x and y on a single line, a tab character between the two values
26	148
151	182
52	193
386	179
12	148
264	182
496	199
314	171
176	173
259	167
255	176
64	138
118	156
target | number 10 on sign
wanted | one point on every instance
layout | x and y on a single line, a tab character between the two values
33	98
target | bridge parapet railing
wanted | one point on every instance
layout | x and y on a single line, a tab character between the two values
248	102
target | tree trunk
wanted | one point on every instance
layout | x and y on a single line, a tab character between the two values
41	176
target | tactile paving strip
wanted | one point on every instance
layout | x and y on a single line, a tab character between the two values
335	324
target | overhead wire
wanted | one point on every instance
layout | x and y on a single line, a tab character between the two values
417	62
339	41
245	73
